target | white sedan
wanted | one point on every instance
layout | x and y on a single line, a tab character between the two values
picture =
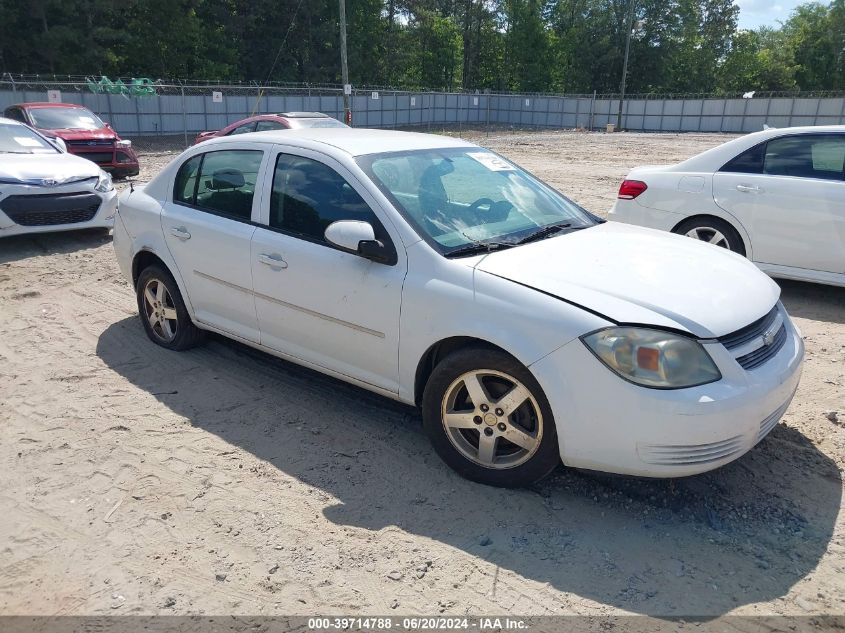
777	197
437	273
43	188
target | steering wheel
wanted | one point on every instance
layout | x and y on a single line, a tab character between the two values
481	202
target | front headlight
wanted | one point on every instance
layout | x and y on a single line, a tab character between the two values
104	184
653	358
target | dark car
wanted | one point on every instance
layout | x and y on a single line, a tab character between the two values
83	132
266	122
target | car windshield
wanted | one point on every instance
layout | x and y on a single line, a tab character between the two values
65	119
460	197
315	122
19	139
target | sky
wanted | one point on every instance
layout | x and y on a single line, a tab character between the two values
754	13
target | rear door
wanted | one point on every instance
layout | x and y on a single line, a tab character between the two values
789	193
208	227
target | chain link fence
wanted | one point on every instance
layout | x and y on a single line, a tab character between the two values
141	107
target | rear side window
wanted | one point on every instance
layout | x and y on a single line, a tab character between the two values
807	156
308	196
265	126
221	182
749	162
243	129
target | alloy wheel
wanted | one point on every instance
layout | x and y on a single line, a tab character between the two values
160	310
492	419
710	235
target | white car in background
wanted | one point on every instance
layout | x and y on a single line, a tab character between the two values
777	197
437	273
43	188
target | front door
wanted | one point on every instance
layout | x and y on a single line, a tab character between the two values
314	301
208	228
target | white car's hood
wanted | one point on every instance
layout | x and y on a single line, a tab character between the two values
640	276
45	169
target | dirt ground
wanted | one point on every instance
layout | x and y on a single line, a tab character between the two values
222	481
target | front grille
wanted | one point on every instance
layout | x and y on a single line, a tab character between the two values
91	143
689	454
749	332
97	157
762	354
740	341
51	209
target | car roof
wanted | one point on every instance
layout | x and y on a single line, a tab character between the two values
304	115
352	141
47	104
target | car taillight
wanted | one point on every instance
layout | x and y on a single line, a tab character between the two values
630	189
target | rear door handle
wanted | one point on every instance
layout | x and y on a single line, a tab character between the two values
181	232
274	261
748	188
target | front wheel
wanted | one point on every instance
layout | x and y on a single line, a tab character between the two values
488	419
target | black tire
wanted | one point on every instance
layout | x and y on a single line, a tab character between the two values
707	225
185	335
441	383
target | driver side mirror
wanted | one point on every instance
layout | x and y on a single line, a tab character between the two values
357	237
60	144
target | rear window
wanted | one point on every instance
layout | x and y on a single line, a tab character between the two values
18	139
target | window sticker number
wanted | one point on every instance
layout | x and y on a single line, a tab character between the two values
491	161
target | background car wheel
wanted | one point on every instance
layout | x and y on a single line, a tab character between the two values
488	419
714	231
163	311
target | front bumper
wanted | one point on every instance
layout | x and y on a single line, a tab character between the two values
24	214
605	423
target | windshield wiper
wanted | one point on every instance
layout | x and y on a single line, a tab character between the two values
547	230
479	247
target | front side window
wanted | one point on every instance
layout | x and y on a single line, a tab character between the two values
308	196
461	196
807	156
58	118
220	182
16	114
19	139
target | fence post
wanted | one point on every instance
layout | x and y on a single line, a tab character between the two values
791	111
768	109
722	121
818	107
184	115
14	87
593	112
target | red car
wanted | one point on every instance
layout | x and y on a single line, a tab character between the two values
265	122
83	132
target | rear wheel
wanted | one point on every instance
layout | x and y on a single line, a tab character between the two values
489	420
163	312
713	231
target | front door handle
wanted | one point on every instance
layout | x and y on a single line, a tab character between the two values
274	261
181	232
748	188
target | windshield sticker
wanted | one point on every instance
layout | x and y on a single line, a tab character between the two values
23	141
491	161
